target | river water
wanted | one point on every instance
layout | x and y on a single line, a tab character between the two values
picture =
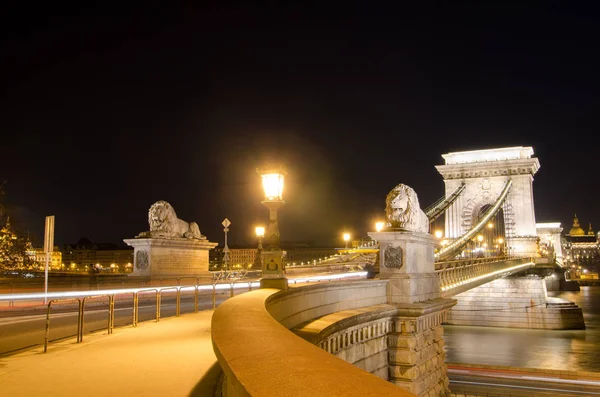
573	350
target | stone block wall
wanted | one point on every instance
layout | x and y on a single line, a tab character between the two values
416	355
514	303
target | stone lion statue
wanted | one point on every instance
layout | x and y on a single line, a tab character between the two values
402	210
164	223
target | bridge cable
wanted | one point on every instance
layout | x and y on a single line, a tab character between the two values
440	206
457	245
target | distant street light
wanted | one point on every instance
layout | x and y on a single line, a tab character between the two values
379	226
439	234
346	238
260	233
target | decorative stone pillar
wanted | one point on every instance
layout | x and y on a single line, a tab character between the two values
159	257
273	270
416	354
415	345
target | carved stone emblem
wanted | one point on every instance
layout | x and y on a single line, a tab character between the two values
392	257
141	259
272	265
402	210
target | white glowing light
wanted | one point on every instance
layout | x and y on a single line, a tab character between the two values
273	186
509	153
206	287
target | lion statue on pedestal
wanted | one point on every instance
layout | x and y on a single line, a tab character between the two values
164	223
402	210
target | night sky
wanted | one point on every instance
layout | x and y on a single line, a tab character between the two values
105	111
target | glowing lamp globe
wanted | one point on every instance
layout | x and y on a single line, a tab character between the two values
346	237
379	226
439	234
260	231
273	186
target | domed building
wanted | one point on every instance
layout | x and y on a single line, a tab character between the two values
581	248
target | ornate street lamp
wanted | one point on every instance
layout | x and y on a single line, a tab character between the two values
273	270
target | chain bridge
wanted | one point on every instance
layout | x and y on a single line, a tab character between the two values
470	268
488	229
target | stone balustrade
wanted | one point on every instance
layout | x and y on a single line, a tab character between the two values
261	357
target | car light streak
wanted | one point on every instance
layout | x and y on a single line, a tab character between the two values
172	288
587	393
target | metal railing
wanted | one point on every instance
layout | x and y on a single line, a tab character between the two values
459	273
81	297
85	296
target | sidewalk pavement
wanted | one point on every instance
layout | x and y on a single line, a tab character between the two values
168	358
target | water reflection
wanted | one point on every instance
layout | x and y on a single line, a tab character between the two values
575	350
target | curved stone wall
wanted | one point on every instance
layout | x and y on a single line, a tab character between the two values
261	357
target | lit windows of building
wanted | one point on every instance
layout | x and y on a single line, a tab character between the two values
581	247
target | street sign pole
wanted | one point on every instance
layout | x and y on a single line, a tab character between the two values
48	248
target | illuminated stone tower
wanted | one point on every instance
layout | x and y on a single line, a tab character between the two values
485	173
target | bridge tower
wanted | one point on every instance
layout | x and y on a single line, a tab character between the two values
485	173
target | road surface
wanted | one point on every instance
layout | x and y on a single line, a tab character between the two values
26	329
474	383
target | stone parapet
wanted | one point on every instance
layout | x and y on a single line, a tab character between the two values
300	305
260	357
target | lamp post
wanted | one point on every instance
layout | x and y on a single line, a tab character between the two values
479	240
346	239
226	224
501	244
273	270
260	233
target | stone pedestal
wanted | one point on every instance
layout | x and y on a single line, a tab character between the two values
273	270
159	257
415	345
407	260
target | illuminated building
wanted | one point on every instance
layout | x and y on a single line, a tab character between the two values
55	258
101	255
581	248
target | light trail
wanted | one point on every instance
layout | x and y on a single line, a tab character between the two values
523	377
207	287
500	385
